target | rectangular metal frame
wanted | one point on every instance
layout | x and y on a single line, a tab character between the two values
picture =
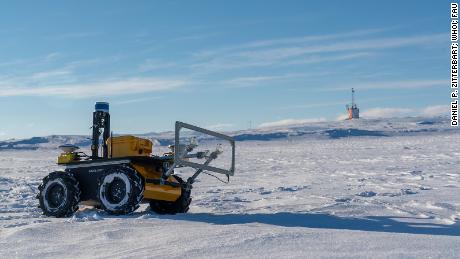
178	161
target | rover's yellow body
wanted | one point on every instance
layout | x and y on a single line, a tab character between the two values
123	146
156	191
131	146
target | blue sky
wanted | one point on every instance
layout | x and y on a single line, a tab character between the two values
218	64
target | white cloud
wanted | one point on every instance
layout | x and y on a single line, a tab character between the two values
386	112
288	122
50	74
296	50
312	105
153	64
102	88
231	62
256	80
286	41
392	85
25	63
220	126
262	80
52	56
321	59
137	100
429	111
92	62
435	110
382	43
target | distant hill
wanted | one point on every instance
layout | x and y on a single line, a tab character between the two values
331	130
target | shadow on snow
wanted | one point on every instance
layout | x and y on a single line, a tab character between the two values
288	219
390	224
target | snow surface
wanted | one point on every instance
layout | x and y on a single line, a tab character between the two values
393	196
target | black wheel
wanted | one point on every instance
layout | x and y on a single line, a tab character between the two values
181	205
59	194
120	190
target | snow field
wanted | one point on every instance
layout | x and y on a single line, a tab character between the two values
361	197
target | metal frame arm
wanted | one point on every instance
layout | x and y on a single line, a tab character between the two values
179	160
180	155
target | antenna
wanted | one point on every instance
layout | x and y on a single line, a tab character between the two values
352	97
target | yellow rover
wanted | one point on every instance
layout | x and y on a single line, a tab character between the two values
126	173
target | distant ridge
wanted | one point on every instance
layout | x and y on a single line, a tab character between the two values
317	130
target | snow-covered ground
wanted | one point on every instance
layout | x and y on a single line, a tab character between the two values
353	197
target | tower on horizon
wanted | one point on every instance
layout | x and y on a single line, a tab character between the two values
353	111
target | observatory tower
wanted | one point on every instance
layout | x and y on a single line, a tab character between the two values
353	111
